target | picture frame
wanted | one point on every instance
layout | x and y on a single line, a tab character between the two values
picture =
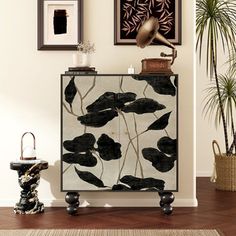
60	24
131	14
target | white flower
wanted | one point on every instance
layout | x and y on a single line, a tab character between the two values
86	47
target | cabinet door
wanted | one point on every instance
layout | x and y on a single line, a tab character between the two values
119	133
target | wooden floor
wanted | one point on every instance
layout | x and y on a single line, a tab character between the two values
217	210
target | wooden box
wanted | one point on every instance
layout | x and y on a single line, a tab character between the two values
156	65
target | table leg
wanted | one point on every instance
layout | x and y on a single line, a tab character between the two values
72	198
165	203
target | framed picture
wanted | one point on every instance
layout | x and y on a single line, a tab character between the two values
59	24
131	14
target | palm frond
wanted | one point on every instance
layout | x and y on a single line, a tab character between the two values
215	21
227	85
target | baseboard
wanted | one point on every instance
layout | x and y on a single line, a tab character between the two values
204	173
109	203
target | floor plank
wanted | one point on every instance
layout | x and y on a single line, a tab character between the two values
216	210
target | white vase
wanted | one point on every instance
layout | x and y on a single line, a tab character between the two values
81	59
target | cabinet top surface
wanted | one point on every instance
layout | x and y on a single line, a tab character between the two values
138	75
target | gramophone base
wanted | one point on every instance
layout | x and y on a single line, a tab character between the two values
156	66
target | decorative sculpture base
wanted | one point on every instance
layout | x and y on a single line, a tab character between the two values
29	203
29	177
72	198
166	199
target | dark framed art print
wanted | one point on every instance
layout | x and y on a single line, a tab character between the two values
131	14
59	24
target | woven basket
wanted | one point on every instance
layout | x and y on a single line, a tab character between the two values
225	169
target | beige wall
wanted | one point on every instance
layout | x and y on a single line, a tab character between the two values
206	130
30	96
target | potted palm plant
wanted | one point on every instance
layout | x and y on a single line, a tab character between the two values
216	24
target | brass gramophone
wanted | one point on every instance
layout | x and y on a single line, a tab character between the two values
146	34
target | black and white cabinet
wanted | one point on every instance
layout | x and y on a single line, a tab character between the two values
119	133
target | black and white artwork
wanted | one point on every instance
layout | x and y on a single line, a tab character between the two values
60	21
60	24
119	133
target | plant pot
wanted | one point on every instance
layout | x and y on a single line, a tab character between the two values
81	59
225	170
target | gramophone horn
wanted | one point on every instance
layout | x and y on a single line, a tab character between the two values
149	31
163	40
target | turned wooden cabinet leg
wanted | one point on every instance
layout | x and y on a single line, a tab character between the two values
72	198
165	203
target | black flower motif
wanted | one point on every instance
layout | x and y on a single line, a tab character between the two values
108	149
160	123
86	159
160	84
158	159
97	119
167	145
111	100
77	147
145	183
90	178
120	187
70	91
143	105
81	143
